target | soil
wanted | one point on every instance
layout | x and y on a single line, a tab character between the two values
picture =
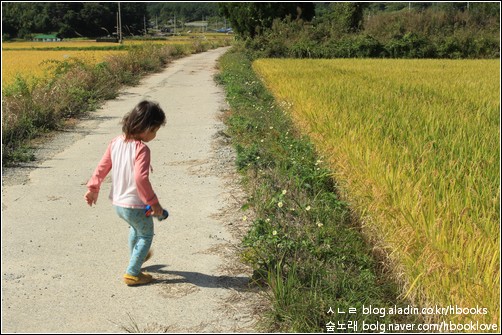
63	261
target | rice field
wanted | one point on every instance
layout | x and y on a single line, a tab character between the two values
27	58
55	45
414	146
31	64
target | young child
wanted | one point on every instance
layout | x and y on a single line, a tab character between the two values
128	157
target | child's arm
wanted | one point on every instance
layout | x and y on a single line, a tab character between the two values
93	185
141	175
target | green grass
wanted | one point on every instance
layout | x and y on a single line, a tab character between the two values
305	243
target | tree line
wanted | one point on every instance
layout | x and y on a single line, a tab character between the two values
286	29
364	29
95	19
71	19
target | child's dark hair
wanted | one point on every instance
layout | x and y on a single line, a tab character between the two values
147	115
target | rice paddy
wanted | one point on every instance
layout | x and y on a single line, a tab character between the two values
31	64
27	59
414	145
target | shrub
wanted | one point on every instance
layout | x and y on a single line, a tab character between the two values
416	34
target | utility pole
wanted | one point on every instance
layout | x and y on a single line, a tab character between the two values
120	26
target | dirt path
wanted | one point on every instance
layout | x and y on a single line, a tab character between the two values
62	262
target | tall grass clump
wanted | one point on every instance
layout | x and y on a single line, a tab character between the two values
303	243
414	145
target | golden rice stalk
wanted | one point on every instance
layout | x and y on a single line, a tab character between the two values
415	146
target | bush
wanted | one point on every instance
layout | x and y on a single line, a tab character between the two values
411	45
366	46
416	34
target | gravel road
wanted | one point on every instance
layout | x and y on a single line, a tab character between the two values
62	261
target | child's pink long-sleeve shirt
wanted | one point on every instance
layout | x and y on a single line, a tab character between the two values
129	162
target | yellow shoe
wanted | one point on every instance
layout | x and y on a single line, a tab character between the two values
141	279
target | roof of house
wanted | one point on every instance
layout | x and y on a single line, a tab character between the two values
44	36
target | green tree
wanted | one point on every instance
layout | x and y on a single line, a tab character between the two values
251	18
97	19
134	15
65	16
186	11
24	18
71	19
347	17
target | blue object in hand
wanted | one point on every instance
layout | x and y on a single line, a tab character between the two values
148	212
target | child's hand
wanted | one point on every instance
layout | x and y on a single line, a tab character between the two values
91	197
157	210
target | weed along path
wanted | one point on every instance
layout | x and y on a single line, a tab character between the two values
62	261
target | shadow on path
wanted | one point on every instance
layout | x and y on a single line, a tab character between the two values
200	279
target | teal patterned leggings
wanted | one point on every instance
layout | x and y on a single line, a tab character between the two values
140	236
